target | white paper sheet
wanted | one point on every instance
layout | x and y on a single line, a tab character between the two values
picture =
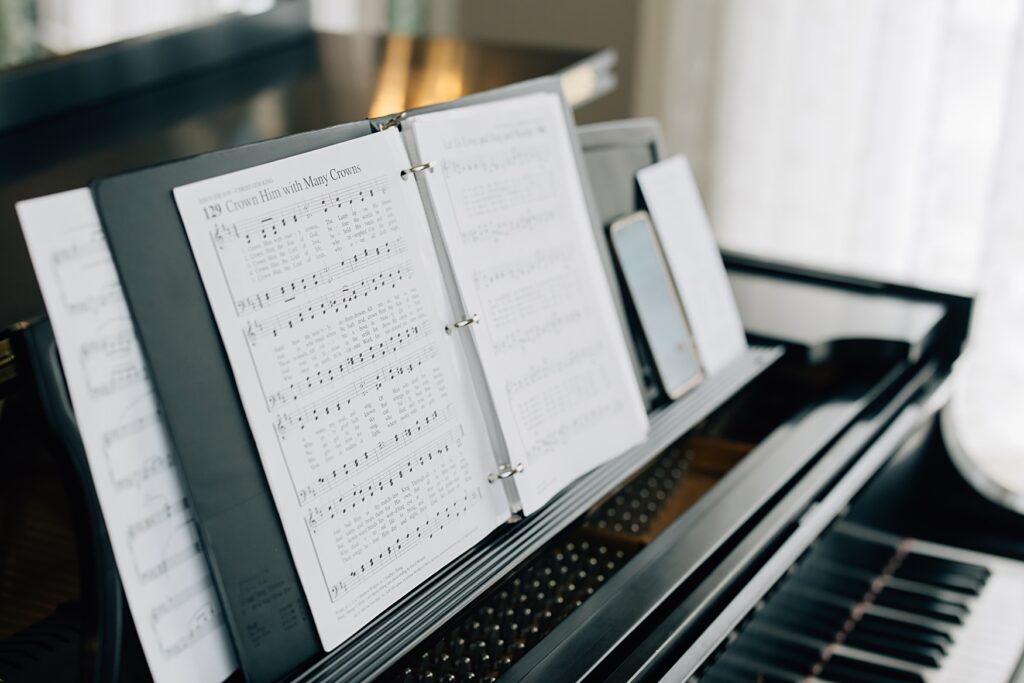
514	219
322	279
166	579
677	212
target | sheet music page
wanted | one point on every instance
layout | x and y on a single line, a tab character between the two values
506	191
166	579
673	200
328	296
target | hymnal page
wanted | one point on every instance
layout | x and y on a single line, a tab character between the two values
328	297
677	212
509	204
166	579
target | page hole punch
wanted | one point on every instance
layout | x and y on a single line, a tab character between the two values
406	172
459	324
504	472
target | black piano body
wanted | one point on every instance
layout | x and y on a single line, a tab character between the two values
663	564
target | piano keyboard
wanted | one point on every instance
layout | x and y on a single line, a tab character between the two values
864	606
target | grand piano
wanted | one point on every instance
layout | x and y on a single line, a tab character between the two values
796	517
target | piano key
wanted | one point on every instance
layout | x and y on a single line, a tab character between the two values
819	627
931	590
921	604
826	565
792	601
927	562
857	666
728	671
854	589
944	580
855	552
785	655
752	669
926	624
929	655
872	624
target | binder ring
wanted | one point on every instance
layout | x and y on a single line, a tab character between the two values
459	324
394	120
504	472
416	169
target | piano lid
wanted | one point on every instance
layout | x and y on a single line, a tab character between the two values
824	321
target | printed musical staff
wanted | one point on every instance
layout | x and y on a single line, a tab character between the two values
495	162
329	481
310	281
498	229
424	531
204	620
553	325
552	367
340	400
266	225
333	302
162	515
398	442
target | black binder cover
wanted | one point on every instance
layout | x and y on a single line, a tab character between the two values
265	607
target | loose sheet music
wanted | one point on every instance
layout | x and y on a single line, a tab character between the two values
509	204
327	293
165	575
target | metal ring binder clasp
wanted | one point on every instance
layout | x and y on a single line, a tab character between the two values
504	472
416	169
395	120
459	324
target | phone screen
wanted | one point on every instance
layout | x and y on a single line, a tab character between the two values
657	304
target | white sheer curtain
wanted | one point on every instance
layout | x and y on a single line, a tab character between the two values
882	137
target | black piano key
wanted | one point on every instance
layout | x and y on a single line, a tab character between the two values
862	668
812	625
812	594
931	590
917	653
770	651
960	583
820	563
921	604
909	631
853	589
726	672
796	602
940	564
854	552
752	669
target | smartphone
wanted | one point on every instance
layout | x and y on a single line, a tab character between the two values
656	300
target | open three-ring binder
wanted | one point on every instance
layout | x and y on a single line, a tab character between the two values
418	342
369	348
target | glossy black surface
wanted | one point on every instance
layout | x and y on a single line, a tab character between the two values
304	83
